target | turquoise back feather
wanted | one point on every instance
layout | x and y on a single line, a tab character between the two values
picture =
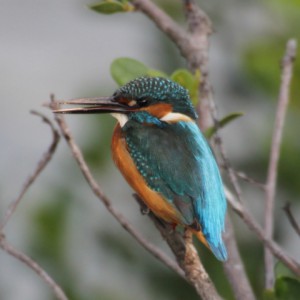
176	161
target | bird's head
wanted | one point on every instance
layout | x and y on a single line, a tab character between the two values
159	97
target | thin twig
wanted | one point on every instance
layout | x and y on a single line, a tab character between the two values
294	223
39	168
34	266
286	76
106	201
245	177
249	179
232	175
234	268
163	22
293	265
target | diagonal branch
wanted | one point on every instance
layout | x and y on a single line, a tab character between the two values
186	256
39	168
106	201
13	206
163	22
286	76
293	265
293	221
58	292
234	268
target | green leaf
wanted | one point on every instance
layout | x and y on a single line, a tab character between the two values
226	120
287	288
125	69
156	73
189	81
269	295
282	270
111	7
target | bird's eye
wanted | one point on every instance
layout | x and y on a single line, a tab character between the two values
143	101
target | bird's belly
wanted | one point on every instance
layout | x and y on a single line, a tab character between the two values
154	201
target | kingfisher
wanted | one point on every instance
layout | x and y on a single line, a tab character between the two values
163	155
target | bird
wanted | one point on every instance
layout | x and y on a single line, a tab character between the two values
164	156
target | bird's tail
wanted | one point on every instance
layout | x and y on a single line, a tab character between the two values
201	238
219	251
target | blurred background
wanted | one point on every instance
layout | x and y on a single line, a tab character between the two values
63	47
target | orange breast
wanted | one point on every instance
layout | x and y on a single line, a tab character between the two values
154	201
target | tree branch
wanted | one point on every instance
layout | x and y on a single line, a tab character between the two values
58	292
186	256
105	200
39	168
286	76
13	206
163	22
234	267
197	56
294	223
293	265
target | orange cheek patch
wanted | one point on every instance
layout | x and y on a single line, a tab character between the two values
158	110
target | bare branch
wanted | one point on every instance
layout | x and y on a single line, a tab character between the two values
194	270
163	22
232	175
39	168
234	267
251	180
106	201
199	28
58	292
294	223
186	255
197	56
293	265
286	76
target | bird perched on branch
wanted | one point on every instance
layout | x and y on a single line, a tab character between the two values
163	155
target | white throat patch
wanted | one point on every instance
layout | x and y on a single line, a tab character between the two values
122	119
170	117
175	117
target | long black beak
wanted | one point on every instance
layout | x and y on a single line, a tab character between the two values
94	106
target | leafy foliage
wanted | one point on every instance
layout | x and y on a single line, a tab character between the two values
112	6
285	288
229	118
125	69
189	81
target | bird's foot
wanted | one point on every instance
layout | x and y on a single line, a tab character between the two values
143	207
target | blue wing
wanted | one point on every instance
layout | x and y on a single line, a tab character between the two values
176	161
